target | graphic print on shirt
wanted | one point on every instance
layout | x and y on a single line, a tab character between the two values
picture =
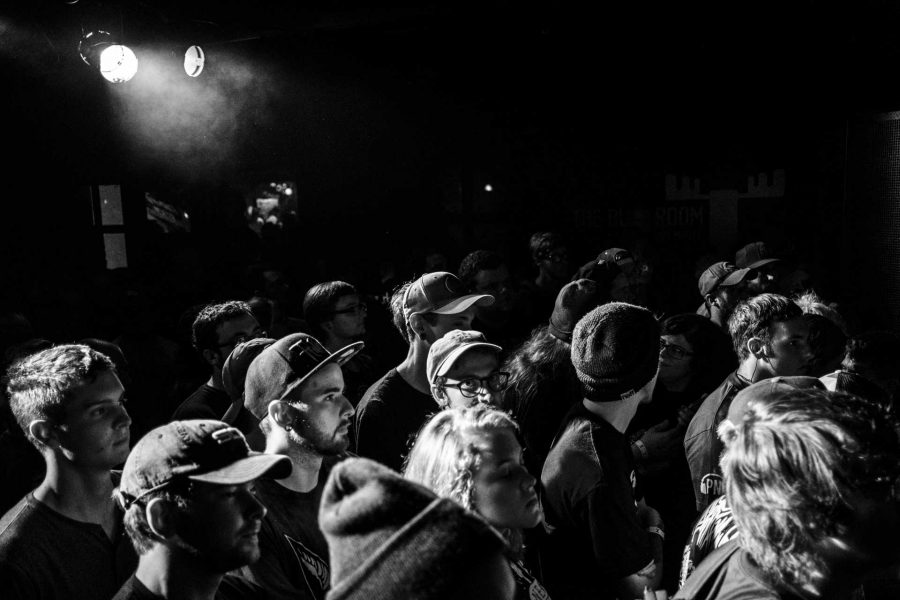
314	569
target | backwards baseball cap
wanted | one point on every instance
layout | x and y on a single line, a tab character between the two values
234	371
573	301
720	274
197	450
445	351
754	255
768	389
389	537
284	366
440	293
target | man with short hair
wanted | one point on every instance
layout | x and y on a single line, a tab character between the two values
604	542
295	390
396	406
550	254
503	322
811	478
191	512
336	315
65	539
216	331
721	287
464	369
770	338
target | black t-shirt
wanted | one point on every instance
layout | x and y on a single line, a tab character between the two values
702	446
589	494
388	418
209	403
45	555
729	573
231	588
713	529
294	554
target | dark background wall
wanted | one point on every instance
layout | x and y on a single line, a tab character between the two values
391	119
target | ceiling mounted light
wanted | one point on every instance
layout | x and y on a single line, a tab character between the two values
194	59
117	63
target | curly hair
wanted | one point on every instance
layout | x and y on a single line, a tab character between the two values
542	362
753	318
210	317
445	458
474	262
40	385
790	467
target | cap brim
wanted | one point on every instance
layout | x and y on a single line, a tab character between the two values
734	278
338	357
762	263
255	465
463	303
451	358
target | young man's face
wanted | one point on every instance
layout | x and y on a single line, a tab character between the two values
494	282
222	523
555	262
788	351
764	280
471	371
675	359
324	413
233	332
348	320
446	323
95	431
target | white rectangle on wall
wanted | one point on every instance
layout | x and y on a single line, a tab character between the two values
114	244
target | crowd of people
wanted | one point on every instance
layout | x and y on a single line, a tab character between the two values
555	437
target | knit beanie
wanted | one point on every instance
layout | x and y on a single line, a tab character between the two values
615	351
390	538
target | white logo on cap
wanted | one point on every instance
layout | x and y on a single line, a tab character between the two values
228	434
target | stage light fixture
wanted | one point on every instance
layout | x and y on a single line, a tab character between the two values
117	63
194	59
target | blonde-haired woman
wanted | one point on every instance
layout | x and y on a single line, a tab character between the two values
473	456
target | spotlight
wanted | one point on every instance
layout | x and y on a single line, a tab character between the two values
116	63
194	59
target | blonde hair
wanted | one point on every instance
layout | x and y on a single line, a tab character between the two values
445	456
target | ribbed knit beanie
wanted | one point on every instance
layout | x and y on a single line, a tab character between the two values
615	351
390	538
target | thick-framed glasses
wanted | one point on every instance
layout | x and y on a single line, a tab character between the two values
241	338
471	386
354	309
674	350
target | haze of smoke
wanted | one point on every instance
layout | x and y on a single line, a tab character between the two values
191	124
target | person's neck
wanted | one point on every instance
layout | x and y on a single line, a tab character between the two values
752	370
215	380
617	413
545	280
176	575
718	316
80	494
304	475
412	369
333	344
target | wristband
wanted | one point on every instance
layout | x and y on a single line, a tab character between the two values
642	449
657	531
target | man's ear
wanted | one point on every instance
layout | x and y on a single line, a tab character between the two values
756	347
44	432
282	414
440	394
419	326
161	517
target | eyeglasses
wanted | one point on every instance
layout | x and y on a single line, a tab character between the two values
241	338
675	350
471	386
554	256
353	309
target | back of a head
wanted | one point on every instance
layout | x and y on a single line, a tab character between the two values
794	466
753	318
391	538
